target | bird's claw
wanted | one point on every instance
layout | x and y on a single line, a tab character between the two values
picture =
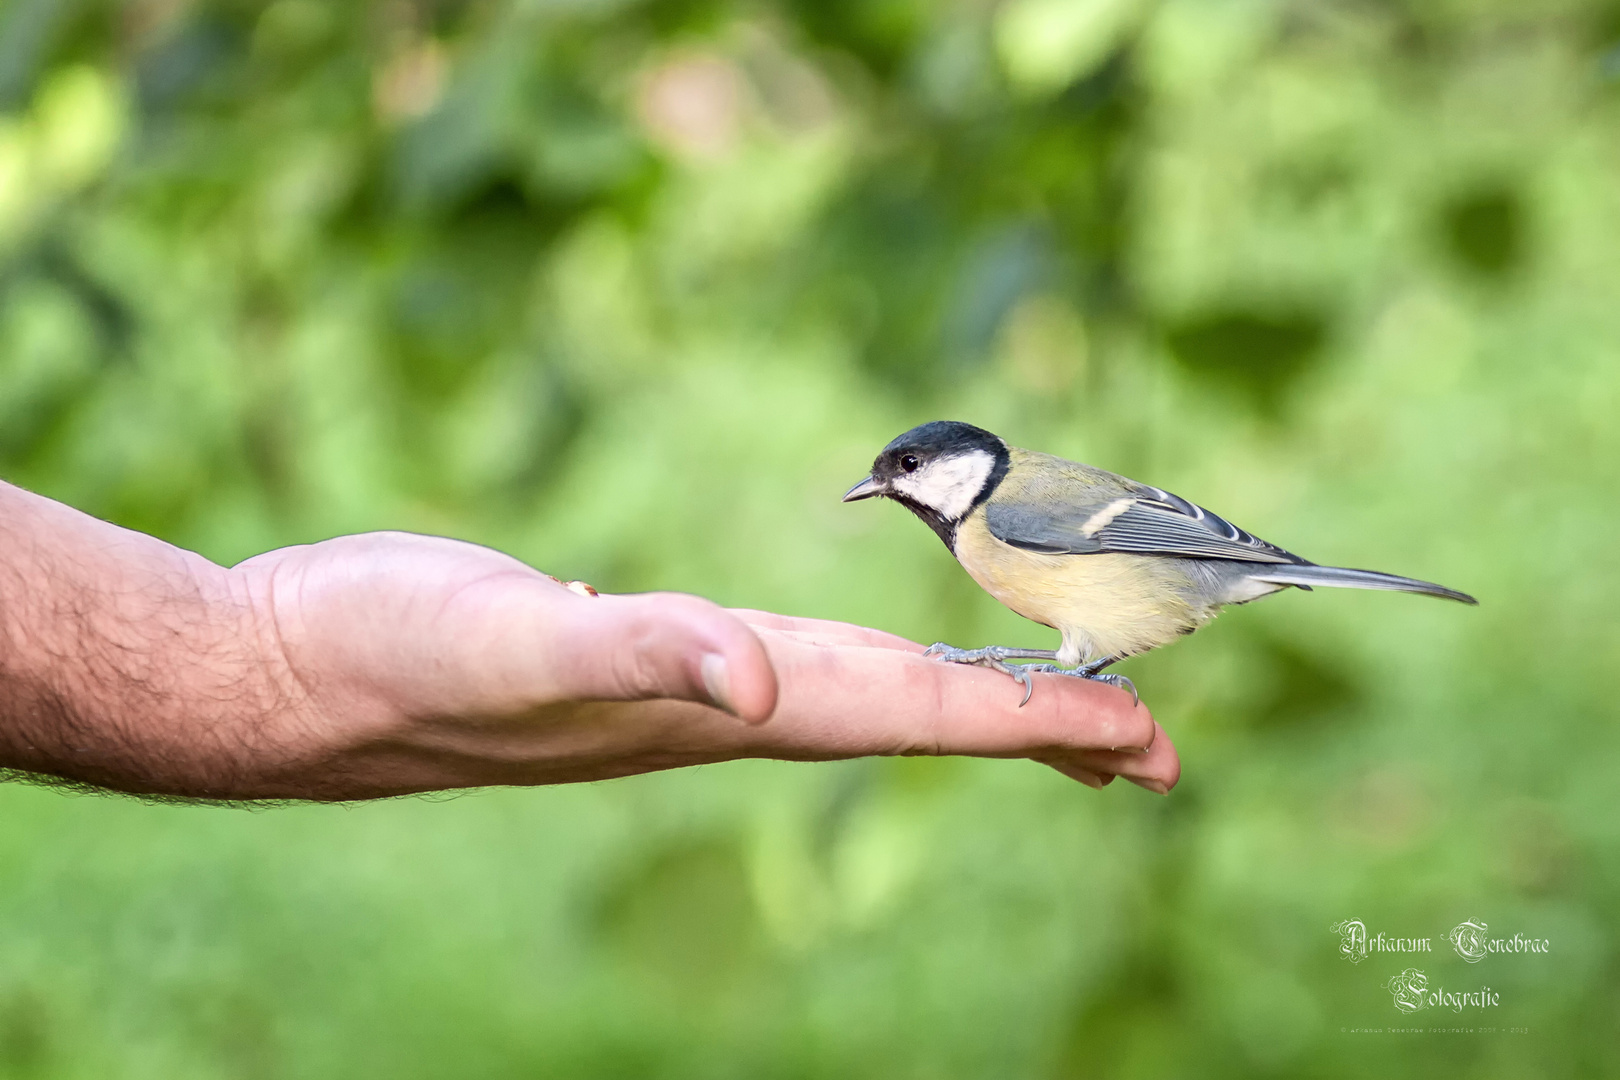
1119	682
1023	676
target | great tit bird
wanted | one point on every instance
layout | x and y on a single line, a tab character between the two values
1116	566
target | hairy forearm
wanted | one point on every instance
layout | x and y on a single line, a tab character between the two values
130	664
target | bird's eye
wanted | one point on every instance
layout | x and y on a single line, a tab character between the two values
909	463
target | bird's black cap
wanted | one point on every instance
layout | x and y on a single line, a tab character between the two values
936	438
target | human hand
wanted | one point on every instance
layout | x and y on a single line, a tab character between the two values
417	663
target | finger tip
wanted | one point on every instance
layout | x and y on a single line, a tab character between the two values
746	684
755	686
1175	774
754	700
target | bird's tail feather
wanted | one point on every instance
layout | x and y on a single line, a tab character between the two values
1307	575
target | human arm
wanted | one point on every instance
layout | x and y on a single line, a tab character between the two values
389	663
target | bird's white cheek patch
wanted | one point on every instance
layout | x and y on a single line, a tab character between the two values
949	485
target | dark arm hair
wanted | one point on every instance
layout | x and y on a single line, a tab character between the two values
130	664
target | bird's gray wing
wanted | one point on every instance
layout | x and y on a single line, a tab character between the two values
1144	521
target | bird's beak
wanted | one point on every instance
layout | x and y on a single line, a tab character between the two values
866	489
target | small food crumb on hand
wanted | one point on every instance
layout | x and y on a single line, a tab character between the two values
575	586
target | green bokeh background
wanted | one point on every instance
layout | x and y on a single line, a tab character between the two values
634	291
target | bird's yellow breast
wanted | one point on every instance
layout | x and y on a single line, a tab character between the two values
1104	605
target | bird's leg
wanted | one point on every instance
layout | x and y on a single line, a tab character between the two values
995	657
1092	671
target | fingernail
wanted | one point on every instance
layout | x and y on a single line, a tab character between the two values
717	681
1158	787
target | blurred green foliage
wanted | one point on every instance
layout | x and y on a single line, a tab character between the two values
633	291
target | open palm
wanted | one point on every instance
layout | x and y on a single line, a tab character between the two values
436	663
